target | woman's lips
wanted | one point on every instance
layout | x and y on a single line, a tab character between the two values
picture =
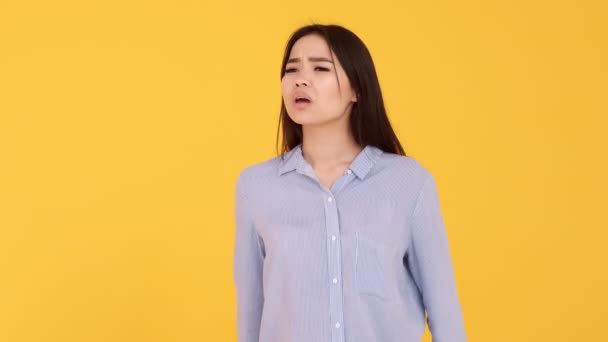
302	104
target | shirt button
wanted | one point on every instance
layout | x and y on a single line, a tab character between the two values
335	280
337	324
333	238
329	199
349	171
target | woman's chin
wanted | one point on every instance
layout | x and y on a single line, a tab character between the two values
312	119
306	119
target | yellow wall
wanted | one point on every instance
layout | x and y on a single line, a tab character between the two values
123	126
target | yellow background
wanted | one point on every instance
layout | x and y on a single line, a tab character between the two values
123	126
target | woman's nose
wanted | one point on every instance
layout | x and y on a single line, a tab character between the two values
301	83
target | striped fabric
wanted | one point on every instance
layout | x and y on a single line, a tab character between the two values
360	262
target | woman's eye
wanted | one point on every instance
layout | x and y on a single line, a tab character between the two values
293	69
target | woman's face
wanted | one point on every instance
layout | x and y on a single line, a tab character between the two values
310	72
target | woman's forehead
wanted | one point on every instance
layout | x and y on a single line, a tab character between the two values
311	45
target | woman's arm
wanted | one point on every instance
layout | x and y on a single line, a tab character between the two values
247	269
428	258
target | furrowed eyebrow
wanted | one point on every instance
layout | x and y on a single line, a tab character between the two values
312	59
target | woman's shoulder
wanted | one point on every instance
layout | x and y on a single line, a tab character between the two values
259	172
408	166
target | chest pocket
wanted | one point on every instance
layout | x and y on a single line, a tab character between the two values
370	272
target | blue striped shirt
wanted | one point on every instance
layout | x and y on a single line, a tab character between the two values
360	262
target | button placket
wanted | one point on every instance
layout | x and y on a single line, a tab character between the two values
334	266
334	261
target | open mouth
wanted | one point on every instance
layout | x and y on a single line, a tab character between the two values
302	103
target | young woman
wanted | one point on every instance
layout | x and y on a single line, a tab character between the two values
340	238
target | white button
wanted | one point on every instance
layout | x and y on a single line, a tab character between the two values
338	325
335	280
349	171
330	199
333	238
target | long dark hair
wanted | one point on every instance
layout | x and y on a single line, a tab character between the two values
368	120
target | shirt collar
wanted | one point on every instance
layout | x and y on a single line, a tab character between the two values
361	165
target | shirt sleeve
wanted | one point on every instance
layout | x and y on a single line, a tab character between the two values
248	261
429	260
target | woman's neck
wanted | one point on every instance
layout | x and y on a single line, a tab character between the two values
323	148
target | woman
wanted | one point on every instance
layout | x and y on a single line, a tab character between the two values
341	237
